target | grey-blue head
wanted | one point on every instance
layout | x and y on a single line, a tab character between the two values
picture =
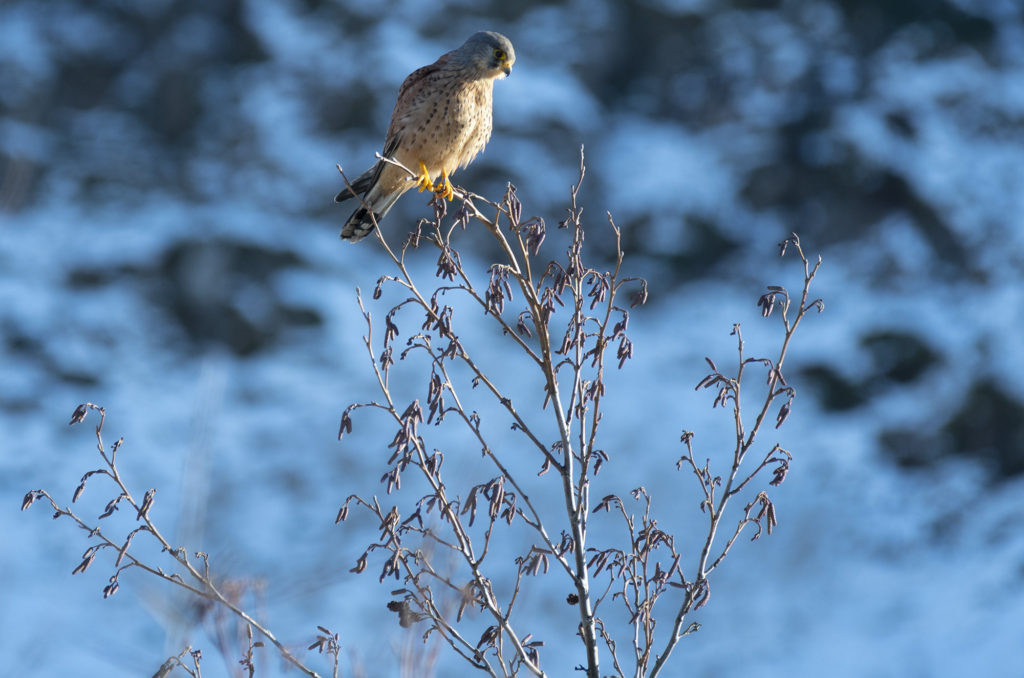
491	53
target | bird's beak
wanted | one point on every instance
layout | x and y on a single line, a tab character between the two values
506	69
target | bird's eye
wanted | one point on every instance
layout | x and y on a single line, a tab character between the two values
500	55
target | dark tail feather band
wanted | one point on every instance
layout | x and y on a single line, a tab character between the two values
359	225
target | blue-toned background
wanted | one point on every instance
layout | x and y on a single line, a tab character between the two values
169	250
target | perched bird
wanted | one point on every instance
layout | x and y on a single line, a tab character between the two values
442	120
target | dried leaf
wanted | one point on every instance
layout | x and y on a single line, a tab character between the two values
78	416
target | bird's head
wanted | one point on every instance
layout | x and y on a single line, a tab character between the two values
490	52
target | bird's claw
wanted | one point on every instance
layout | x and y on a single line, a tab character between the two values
444	190
423	180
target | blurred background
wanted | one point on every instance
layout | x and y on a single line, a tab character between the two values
169	249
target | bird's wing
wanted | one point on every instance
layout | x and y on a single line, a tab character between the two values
418	76
406	106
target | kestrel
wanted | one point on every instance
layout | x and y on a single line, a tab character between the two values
442	120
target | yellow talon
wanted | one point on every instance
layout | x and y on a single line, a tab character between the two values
423	180
444	191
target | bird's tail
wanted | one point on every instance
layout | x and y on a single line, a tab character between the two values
362	184
363	220
360	224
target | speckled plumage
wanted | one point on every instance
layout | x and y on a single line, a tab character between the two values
441	121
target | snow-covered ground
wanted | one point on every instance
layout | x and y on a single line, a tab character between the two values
873	570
